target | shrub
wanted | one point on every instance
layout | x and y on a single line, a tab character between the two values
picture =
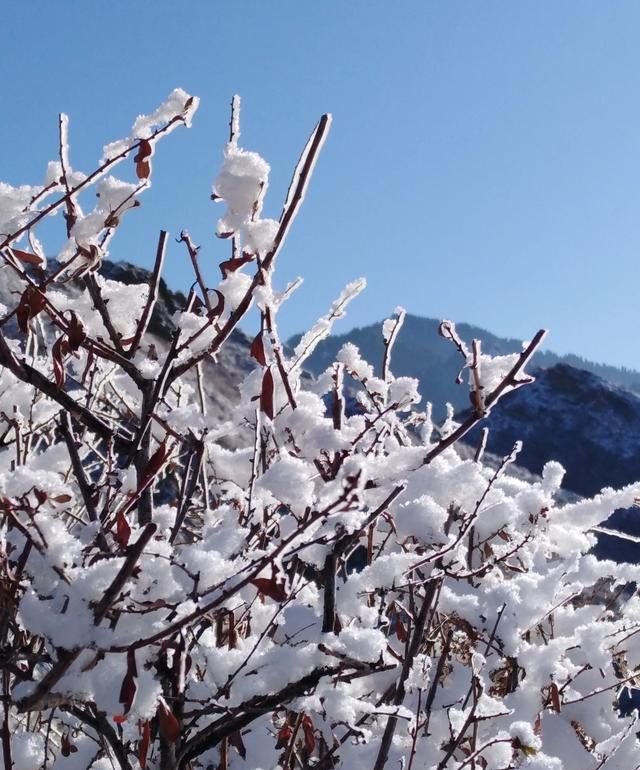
302	585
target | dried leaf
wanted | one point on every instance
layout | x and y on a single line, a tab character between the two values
218	309
61	498
76	333
257	350
142	159
155	464
309	736
401	631
123	530
129	686
32	302
270	588
167	722
284	734
143	750
41	495
59	350
555	697
66	747
231	265
266	394
27	258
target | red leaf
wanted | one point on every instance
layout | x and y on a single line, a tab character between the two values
32	302
219	307
270	588
283	736
142	159
123	530
401	631
66	747
145	729
537	725
41	495
231	265
59	350
129	687
61	498
156	461
167	722
76	333
27	257
555	697
257	350
309	736
266	394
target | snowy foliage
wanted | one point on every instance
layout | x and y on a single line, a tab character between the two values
305	586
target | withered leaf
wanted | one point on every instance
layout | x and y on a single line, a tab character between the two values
142	159
218	308
129	686
145	740
257	350
32	302
167	722
231	265
266	394
27	258
309	736
123	530
270	588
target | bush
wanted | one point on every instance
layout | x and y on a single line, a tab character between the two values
301	586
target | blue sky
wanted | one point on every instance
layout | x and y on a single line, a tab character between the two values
483	165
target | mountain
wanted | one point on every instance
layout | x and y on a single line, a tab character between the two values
421	352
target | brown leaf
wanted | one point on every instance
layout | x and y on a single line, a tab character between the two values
76	333
59	350
129	687
284	733
309	736
142	159
143	750
266	394
61	498
270	588
27	257
401	631
257	350
156	461
123	530
32	302
41	495
231	265
66	747
167	722
218	308
555	697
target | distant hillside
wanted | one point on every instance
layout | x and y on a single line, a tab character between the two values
422	353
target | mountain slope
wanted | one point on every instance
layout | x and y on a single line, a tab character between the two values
422	353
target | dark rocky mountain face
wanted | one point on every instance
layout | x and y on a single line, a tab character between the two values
570	415
421	352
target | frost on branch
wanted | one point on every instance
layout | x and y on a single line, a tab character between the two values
306	584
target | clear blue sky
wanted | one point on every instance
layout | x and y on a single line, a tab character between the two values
483	165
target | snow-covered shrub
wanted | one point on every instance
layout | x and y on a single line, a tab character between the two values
303	586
